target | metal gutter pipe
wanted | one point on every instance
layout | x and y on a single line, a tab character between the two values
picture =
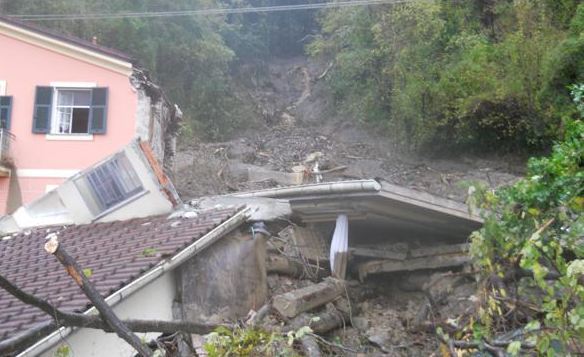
343	187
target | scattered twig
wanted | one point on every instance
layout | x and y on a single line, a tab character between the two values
331	344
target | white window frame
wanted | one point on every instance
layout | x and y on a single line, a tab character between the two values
54	135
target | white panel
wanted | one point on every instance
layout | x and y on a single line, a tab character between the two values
74	84
69	137
46	173
2	87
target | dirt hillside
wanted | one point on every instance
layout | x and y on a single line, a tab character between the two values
298	122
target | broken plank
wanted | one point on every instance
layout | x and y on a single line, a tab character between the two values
438	250
389	266
297	301
378	253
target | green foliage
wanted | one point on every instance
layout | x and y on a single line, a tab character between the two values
63	351
88	272
149	252
245	342
537	226
457	74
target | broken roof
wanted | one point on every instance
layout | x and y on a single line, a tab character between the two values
370	204
118	253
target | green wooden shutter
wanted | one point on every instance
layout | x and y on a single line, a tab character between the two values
5	112
43	102
98	113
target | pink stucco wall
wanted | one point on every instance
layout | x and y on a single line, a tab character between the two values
23	67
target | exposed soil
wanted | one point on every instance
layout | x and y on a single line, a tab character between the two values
297	121
390	315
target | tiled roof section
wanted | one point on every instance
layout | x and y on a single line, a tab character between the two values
67	38
117	253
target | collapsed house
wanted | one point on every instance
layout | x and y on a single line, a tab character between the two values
66	103
128	184
263	254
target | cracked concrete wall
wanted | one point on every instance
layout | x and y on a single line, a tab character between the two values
226	281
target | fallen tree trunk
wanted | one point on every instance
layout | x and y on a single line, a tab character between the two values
297	301
74	270
70	319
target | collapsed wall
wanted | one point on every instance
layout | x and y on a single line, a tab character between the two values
157	119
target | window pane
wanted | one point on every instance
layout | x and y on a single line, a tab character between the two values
65	97
82	98
4	100
80	121
64	120
77	98
113	182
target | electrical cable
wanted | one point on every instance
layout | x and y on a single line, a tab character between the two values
219	11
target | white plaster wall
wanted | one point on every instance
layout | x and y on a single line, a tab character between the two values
152	302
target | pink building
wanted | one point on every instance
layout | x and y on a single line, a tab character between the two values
65	104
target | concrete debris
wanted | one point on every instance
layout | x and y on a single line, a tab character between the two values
260	208
295	302
397	251
418	259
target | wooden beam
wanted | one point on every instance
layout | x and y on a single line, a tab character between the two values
297	301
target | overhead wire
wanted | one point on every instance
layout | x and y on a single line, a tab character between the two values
199	12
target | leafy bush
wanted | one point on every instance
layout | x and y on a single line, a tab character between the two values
457	74
246	342
531	252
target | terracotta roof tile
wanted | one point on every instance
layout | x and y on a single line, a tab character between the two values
116	252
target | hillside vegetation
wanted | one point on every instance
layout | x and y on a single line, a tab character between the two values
487	74
432	73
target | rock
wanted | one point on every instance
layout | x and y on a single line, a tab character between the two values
360	323
380	339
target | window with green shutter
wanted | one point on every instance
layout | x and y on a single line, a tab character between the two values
5	112
70	110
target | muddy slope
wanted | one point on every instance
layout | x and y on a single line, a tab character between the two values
297	120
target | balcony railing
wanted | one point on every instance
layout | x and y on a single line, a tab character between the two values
5	138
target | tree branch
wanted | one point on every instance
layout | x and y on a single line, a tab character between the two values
74	270
71	319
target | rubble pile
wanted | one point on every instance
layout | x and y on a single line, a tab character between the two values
392	313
